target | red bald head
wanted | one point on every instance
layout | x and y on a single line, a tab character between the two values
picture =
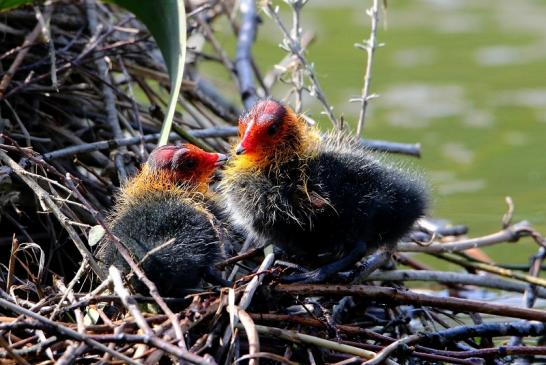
268	128
187	162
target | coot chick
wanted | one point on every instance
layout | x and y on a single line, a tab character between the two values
162	217
324	200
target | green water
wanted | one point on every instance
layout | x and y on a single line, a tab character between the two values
466	79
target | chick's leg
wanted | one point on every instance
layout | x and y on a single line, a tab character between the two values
326	271
214	277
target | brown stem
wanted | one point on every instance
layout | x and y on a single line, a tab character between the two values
398	296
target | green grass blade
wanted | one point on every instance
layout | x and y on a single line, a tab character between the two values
9	4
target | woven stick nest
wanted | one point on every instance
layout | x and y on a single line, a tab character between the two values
82	89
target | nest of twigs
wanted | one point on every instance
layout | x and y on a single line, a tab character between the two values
82	89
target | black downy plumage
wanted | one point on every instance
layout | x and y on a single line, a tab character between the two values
319	198
162	217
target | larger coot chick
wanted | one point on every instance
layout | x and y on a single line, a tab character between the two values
162	216
322	199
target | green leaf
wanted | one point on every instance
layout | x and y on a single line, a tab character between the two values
166	21
8	4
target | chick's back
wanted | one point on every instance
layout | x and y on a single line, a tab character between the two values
175	240
325	203
374	200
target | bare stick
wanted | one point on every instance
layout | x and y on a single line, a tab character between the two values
398	296
65	331
292	45
220	132
276	72
108	94
149	335
68	289
251	333
522	328
11	264
369	46
48	202
255	282
243	60
25	47
387	351
451	278
113	143
250	289
18	358
494	269
296	337
512	233
19	122
297	71
393	147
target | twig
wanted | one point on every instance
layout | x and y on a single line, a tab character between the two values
369	45
393	147
451	278
113	143
134	106
265	355
494	269
34	349
501	351
510	234
398	296
292	46
71	353
209	35
19	122
276	72
245	253
66	331
48	202
387	351
296	337
243	58
11	263
520	328
108	94
149	335
251	333
297	71
216	132
25	48
250	289
66	292
255	282
207	94
18	358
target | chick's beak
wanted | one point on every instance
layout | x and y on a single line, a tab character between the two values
240	150
221	159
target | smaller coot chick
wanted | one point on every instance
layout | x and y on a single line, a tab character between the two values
162	217
324	200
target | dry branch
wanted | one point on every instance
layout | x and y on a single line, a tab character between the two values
397	296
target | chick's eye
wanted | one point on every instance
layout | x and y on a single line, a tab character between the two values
272	129
189	164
